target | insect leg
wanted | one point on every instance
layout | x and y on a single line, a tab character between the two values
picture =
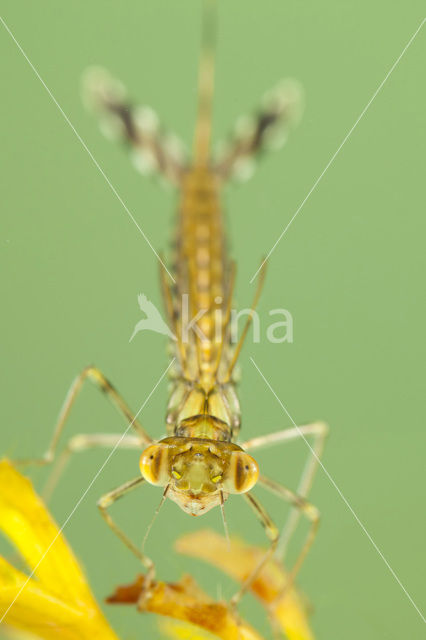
307	509
167	291
97	377
106	501
247	324
319	431
83	442
273	535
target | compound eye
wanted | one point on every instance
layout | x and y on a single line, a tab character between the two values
242	474
153	464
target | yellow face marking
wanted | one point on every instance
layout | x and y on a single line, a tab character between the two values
176	474
216	479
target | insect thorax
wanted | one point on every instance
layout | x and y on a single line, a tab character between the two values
197	413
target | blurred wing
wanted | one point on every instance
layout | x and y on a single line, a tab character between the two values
266	129
154	151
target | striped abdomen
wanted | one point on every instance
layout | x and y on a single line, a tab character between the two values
202	272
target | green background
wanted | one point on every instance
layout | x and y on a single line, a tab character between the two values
350	269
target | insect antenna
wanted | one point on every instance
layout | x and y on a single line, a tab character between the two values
157	511
225	523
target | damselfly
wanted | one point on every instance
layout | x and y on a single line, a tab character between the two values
201	461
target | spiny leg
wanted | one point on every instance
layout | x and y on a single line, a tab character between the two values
306	508
106	501
168	296
98	378
273	535
226	317
83	442
319	431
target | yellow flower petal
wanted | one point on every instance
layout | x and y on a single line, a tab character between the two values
36	609
239	561
184	631
26	522
56	603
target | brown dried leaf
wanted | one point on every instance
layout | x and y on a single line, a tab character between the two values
184	600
